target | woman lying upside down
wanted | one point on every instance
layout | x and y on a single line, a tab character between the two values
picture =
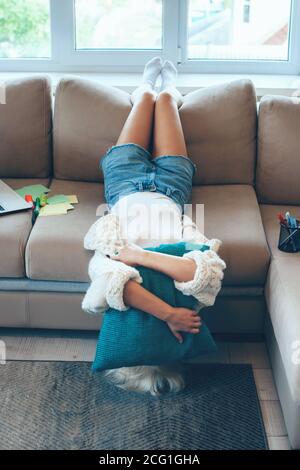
148	180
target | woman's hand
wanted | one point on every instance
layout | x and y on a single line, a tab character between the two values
130	255
183	319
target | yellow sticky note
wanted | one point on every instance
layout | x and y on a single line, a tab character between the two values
73	199
55	209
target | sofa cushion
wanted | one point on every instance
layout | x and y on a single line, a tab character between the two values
14	232
283	297
55	247
88	120
278	167
220	124
231	213
26	129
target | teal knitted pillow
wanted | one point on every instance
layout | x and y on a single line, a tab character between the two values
135	338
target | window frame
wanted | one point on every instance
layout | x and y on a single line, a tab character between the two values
67	59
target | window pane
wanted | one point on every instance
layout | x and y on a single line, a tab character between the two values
239	29
118	24
25	29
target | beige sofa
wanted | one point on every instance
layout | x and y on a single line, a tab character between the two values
43	270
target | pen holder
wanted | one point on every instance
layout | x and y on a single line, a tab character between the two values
289	239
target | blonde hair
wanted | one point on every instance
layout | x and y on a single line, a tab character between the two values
156	380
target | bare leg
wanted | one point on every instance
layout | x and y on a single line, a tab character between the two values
168	137
138	126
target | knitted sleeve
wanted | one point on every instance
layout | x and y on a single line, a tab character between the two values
115	286
207	279
105	235
108	276
108	280
94	301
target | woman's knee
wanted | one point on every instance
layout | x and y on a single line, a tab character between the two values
166	97
148	96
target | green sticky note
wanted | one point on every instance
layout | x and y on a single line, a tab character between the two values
59	199
36	190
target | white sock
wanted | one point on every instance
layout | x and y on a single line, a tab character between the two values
168	74
168	79
150	75
152	71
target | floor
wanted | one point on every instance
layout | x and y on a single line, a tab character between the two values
80	346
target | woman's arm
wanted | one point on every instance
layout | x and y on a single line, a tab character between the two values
116	285
178	319
136	296
178	268
197	273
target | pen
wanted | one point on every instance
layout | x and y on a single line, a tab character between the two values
282	220
43	200
290	229
288	217
36	210
293	222
29	199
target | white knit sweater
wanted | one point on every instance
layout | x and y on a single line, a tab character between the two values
108	277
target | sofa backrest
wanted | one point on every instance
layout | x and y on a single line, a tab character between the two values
220	126
26	129
278	166
88	119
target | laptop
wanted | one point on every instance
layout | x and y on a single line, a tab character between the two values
10	201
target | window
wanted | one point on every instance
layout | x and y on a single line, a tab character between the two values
204	36
24	29
102	25
223	29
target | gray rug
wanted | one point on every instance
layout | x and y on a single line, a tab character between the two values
62	405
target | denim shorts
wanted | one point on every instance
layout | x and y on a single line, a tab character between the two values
129	168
